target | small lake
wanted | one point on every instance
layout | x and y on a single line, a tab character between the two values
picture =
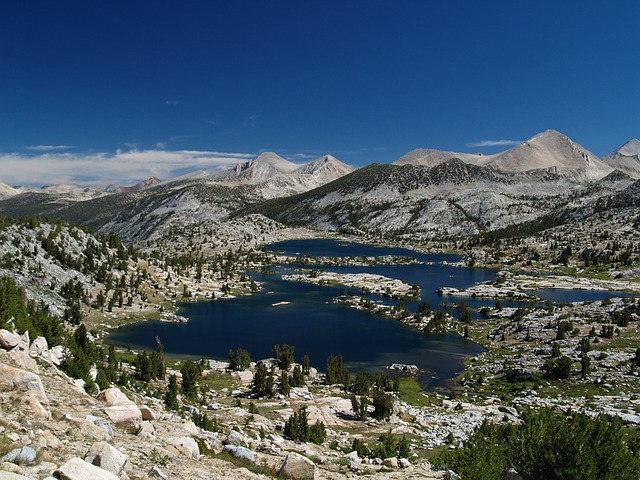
318	327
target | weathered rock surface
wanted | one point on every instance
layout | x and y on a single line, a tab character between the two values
107	457
240	452
20	456
114	396
147	413
235	438
125	414
4	475
185	445
28	385
38	347
297	467
78	469
8	340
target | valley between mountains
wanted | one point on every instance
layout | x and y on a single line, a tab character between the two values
76	262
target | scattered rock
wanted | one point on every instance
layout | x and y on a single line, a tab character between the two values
20	456
240	452
88	430
106	457
147	413
185	445
391	462
510	410
114	396
4	475
155	472
235	438
353	457
8	340
102	423
38	347
78	469
27	383
297	467
125	414
404	463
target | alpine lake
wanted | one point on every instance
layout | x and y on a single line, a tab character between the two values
305	315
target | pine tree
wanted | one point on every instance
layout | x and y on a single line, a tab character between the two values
171	397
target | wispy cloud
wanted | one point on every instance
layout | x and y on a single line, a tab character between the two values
493	143
251	120
172	103
48	148
121	167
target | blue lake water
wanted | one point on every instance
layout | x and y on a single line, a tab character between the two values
315	325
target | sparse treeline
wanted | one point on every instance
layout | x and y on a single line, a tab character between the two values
598	244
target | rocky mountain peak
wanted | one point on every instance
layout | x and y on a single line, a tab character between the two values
626	158
428	157
552	151
630	149
327	164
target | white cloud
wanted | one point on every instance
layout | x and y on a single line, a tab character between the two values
101	169
48	148
172	103
493	143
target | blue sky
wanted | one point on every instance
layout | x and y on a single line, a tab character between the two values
100	92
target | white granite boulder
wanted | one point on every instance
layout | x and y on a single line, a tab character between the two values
8	340
240	452
38	347
29	385
185	445
114	396
107	457
78	469
297	467
124	414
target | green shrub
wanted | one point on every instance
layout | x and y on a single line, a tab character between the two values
549	445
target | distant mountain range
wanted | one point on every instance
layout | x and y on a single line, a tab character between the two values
424	194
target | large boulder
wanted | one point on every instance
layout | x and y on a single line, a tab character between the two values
38	347
20	456
240	452
129	415
391	462
185	445
78	469
147	413
107	457
235	438
28	385
297	467
88	429
114	396
8	340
